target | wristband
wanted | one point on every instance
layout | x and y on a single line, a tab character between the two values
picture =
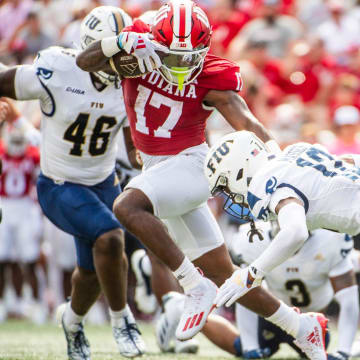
111	46
356	158
273	147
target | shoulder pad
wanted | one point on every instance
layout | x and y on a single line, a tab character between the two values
54	58
213	68
337	245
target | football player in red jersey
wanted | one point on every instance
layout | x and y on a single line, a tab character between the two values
22	222
167	110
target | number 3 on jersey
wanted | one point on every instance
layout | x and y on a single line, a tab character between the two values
156	100
75	133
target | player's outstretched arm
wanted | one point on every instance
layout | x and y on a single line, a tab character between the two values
97	55
234	109
7	82
292	235
346	294
92	58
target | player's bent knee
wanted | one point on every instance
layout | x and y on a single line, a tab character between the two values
111	243
129	203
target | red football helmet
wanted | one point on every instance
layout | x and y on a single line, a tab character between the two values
184	28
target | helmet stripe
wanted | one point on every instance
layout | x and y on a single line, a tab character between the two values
188	23
188	16
201	16
176	21
182	29
119	22
182	24
162	13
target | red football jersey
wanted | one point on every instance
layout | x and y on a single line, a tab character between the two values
18	172
165	120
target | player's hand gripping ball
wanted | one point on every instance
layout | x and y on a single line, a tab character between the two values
142	56
127	66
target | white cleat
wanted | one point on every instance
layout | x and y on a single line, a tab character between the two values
355	352
128	337
78	347
144	297
168	321
312	343
186	347
199	302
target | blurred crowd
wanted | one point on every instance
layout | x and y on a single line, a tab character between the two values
299	61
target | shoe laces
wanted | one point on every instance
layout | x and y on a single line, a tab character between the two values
130	331
79	339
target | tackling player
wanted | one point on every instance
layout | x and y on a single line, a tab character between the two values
318	273
305	187
82	114
167	110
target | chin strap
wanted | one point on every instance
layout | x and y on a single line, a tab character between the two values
254	232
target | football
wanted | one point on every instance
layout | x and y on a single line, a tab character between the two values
127	65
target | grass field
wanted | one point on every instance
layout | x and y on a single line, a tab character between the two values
20	340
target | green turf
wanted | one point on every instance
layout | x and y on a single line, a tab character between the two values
21	340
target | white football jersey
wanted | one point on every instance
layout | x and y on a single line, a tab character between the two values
79	124
304	279
328	187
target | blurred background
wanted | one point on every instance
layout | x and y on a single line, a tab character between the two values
300	64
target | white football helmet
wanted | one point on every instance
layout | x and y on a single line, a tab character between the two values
102	22
232	162
15	142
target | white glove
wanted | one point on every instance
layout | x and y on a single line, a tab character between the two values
237	285
143	48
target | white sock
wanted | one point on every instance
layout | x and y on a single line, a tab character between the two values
187	275
117	316
286	319
145	265
71	319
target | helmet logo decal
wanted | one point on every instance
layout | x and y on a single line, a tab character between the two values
270	185
92	22
218	155
255	152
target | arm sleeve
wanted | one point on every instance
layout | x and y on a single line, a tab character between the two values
27	84
355	259
247	323
292	235
341	267
348	317
281	194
